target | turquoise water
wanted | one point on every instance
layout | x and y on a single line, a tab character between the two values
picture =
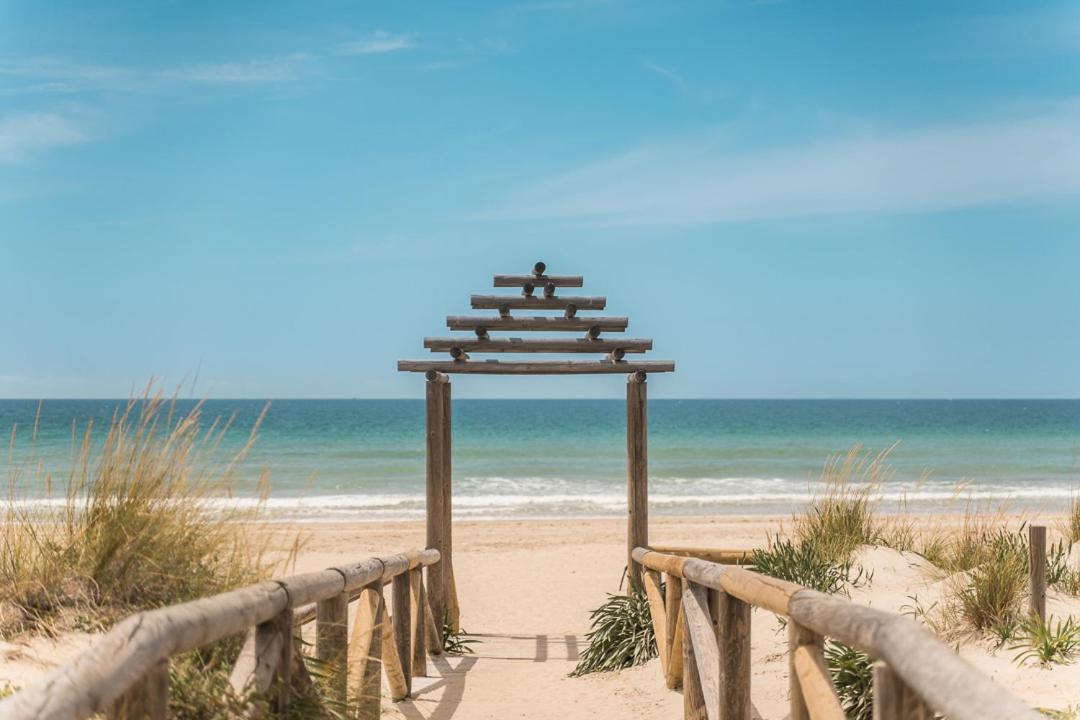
356	459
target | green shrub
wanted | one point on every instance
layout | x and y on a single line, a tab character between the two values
805	564
995	586
621	635
852	674
1048	642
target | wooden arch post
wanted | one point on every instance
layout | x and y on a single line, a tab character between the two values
441	591
637	472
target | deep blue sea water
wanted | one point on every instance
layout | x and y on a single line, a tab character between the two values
357	459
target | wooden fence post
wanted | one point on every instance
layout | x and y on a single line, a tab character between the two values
893	699
332	640
284	623
365	652
148	699
402	619
693	697
637	475
673	603
733	634
436	499
417	631
797	635
452	606
1037	576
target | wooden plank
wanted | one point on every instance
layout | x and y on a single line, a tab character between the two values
401	602
539	280
147	699
693	698
637	471
537	323
673	605
894	700
658	613
365	653
526	302
537	367
546	345
392	665
257	663
436	499
717	555
701	633
733	632
332	640
417	632
797	636
1037	574
815	682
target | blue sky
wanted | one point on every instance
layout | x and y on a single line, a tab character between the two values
792	199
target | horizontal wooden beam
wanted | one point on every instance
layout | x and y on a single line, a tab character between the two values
537	367
539	280
546	345
537	323
526	302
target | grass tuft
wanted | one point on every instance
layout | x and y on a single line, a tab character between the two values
621	635
1048	642
853	676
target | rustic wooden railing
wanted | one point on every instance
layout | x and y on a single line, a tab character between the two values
702	624
125	674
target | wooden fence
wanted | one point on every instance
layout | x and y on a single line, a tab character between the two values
125	674
701	618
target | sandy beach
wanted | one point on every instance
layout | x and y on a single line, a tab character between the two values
526	588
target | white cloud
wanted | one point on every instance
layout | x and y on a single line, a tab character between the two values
23	135
705	180
665	73
251	72
377	42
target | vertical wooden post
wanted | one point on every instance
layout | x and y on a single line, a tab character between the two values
1037	556
797	635
673	603
332	640
637	472
693	697
454	610
436	499
732	617
402	618
893	699
147	699
284	623
365	653
417	632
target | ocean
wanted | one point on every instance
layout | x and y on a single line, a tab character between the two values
364	459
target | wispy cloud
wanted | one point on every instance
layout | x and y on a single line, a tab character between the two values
251	72
705	180
665	73
376	43
24	135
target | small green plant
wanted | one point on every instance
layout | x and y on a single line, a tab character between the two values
1048	642
995	585
1057	563
852	673
805	564
621	635
1006	629
455	642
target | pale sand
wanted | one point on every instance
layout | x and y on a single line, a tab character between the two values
526	589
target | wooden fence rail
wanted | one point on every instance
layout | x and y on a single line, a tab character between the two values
125	674
702	625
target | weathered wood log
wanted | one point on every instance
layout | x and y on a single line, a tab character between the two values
673	607
517	302
147	699
1037	572
284	664
502	281
537	367
452	607
527	289
615	355
637	471
733	632
549	290
417	634
332	641
945	681
722	556
545	345
433	631
797	636
570	310
815	682
658	613
401	600
257	663
540	323
392	663
458	354
366	651
593	333
669	564
693	698
702	634
435	436
309	587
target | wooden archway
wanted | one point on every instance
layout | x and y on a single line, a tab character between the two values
442	592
